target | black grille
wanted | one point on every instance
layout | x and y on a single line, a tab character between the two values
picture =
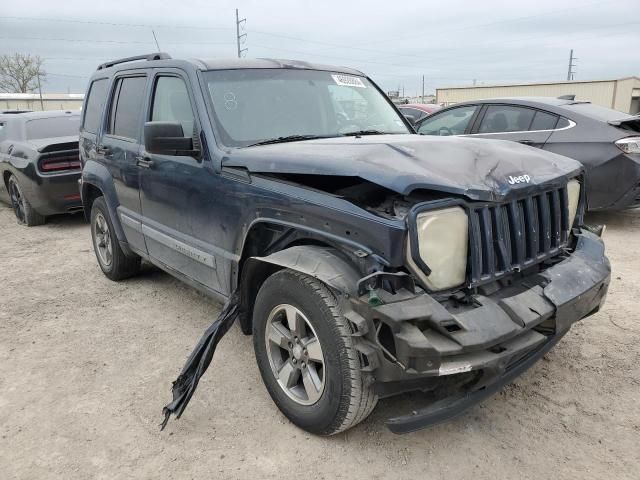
512	236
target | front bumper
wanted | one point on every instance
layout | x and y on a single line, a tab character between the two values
479	348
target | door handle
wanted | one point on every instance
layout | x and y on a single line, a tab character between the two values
103	150
144	162
526	142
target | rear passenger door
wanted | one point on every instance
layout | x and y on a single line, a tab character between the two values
119	150
525	125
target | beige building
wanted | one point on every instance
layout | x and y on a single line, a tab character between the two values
621	94
50	101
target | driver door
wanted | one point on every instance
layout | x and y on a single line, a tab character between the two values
453	121
174	189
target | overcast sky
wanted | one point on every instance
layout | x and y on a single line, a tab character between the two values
450	42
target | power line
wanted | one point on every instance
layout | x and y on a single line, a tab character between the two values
93	22
328	44
497	22
132	42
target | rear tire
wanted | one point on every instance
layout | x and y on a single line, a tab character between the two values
25	214
112	260
339	396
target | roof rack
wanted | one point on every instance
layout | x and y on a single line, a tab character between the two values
149	57
567	97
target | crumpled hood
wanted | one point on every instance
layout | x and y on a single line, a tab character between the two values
479	169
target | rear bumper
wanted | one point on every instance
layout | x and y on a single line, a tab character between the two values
473	350
53	194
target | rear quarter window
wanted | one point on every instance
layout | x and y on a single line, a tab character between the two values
126	108
94	105
544	121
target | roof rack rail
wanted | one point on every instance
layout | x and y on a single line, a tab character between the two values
567	97
148	57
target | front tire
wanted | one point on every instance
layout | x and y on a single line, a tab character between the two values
25	214
306	355
112	260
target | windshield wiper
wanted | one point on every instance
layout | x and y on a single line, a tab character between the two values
359	133
288	138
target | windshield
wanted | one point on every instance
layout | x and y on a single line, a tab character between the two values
53	127
256	105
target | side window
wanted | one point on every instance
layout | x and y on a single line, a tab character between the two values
563	123
94	105
126	107
506	118
417	114
544	121
171	104
451	122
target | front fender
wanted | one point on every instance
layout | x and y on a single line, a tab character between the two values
324	263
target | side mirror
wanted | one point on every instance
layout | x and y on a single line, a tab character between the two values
167	138
412	118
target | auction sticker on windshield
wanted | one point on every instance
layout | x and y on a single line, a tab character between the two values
348	81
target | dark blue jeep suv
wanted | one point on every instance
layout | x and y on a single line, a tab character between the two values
369	261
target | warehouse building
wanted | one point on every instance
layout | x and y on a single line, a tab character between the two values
49	101
621	94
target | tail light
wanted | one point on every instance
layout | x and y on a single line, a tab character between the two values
59	163
629	144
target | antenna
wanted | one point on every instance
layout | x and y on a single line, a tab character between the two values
156	39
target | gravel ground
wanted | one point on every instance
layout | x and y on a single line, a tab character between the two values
87	364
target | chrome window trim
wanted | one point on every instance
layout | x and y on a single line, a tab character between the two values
571	125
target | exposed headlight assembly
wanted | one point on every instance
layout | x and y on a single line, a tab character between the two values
443	237
573	194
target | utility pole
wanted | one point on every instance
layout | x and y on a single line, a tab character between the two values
570	72
40	90
422	88
240	38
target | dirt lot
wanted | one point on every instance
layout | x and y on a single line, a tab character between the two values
86	366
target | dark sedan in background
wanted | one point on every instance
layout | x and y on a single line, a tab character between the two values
605	141
39	164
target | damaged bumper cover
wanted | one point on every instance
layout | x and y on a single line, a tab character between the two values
485	345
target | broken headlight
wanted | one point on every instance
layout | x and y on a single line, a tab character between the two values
442	237
573	194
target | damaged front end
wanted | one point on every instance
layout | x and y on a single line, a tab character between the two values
481	340
530	273
524	270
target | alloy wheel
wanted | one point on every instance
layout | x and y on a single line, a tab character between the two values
102	239
295	354
17	201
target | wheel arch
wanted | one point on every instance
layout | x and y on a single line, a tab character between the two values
323	262
89	194
97	181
